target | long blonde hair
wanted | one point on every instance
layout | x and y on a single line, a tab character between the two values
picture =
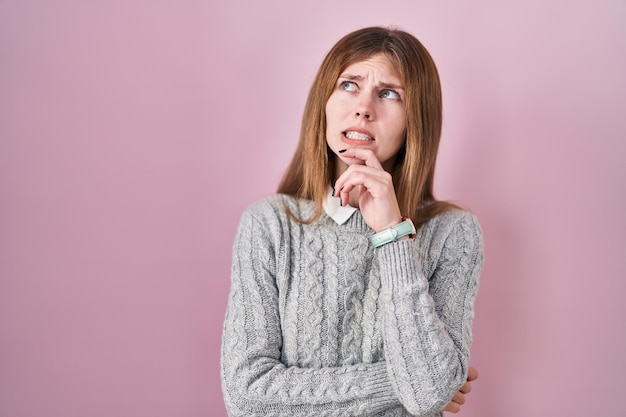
311	170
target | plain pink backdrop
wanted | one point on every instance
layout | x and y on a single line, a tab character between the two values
134	133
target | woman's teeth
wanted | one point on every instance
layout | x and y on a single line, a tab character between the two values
357	136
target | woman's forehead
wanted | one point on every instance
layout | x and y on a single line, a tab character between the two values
380	61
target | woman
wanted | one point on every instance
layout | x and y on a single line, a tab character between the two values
339	304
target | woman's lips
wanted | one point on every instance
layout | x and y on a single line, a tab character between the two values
358	135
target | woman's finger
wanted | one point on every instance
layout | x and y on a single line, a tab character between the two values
452	407
472	373
376	182
466	388
459	398
366	156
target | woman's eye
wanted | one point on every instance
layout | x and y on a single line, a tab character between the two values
348	86
390	94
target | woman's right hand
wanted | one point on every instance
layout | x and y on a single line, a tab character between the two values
377	200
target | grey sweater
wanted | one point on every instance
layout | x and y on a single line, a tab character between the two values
321	324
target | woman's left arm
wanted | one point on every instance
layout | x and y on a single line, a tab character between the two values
428	320
427	332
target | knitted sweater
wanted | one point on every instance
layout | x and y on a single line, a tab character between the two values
319	323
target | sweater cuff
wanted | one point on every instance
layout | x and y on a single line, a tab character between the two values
379	384
399	268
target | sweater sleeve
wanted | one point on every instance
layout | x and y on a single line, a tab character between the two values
254	380
427	320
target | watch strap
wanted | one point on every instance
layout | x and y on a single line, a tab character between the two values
393	233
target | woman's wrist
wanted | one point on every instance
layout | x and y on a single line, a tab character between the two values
404	229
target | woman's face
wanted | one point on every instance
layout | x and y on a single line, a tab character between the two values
367	109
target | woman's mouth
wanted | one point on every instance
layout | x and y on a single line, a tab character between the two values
351	134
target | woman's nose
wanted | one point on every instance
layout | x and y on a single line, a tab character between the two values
365	108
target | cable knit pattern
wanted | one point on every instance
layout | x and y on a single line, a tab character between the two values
354	288
321	324
314	302
370	344
332	300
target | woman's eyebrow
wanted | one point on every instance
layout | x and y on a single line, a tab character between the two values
353	77
390	85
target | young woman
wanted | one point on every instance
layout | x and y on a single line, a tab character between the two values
353	288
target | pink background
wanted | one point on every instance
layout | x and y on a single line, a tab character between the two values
134	133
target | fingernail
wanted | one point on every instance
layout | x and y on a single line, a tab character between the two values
333	194
342	151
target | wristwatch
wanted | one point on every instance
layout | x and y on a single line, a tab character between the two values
406	228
